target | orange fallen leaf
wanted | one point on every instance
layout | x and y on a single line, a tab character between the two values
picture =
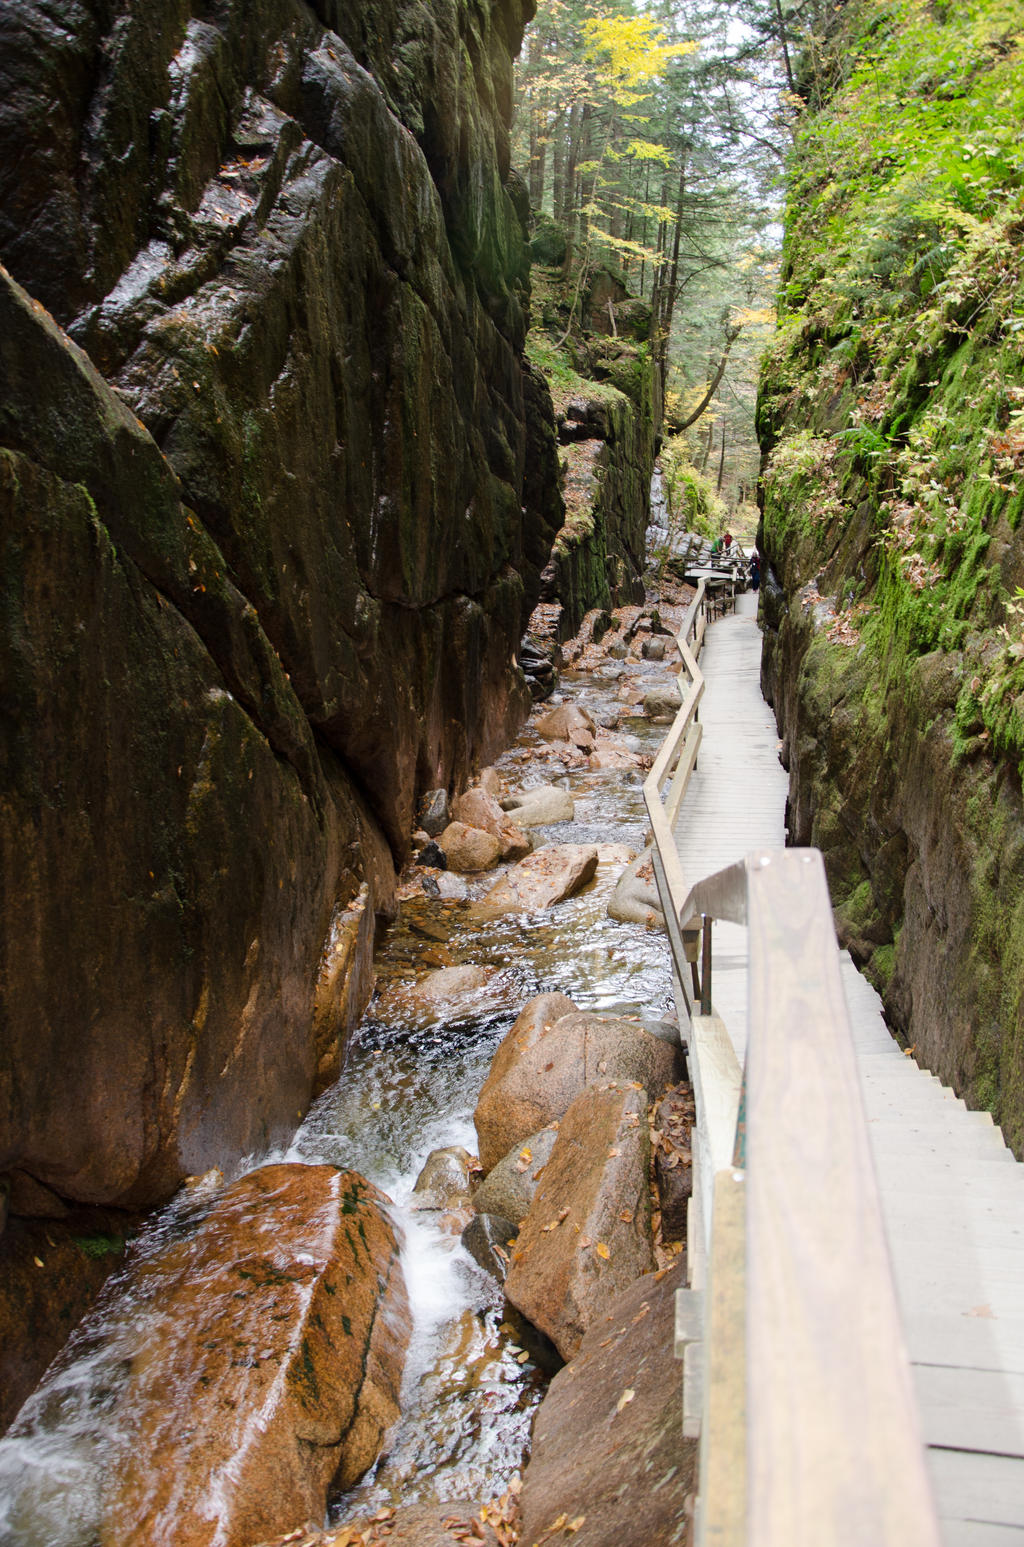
574	1525
613	1152
626	1216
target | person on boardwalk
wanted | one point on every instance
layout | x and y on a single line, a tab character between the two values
755	571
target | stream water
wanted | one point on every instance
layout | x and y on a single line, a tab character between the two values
470	1388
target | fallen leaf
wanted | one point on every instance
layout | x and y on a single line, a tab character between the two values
640	1314
574	1525
523	1357
625	1399
585	1241
626	1216
613	1152
602	1250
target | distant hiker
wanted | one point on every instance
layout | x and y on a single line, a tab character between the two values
755	572
728	541
716	547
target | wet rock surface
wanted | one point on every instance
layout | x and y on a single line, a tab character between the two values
271	1367
468	850
545	877
547	1059
479	809
540	806
510	1186
237	563
608	1449
588	1232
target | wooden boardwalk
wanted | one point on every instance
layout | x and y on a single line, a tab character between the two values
952	1193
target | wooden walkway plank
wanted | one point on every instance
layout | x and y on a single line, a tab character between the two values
952	1194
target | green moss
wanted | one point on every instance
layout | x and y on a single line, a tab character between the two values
100	1245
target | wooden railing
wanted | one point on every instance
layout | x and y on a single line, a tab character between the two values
796	1377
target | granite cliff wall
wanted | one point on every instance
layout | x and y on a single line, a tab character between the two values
272	513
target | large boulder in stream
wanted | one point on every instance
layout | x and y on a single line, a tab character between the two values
540	805
270	1364
545	877
478	808
550	1055
607	1447
588	1233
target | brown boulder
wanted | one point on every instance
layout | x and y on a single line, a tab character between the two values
510	1186
611	752
477	808
547	1059
607	1439
469	849
567	722
588	1233
541	805
548	876
662	704
445	1180
271	1365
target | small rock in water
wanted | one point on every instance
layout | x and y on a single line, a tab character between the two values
433	856
654	649
470	849
566	723
450	887
510	1185
433	812
488	1239
662	704
540	806
444	1182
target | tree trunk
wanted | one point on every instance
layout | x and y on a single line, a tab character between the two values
558	131
785	45
731	335
538	155
707	445
721	461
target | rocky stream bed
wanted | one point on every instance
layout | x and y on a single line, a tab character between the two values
324	1349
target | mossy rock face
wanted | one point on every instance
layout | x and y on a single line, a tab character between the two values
270	541
890	419
549	243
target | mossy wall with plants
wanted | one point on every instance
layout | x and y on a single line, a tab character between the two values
891	417
603	387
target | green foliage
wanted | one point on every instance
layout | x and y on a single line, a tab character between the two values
897	375
693	503
100	1245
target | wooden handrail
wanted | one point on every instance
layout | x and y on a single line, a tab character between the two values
677	757
830	1453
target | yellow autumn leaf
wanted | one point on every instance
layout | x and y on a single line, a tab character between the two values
574	1525
602	1250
